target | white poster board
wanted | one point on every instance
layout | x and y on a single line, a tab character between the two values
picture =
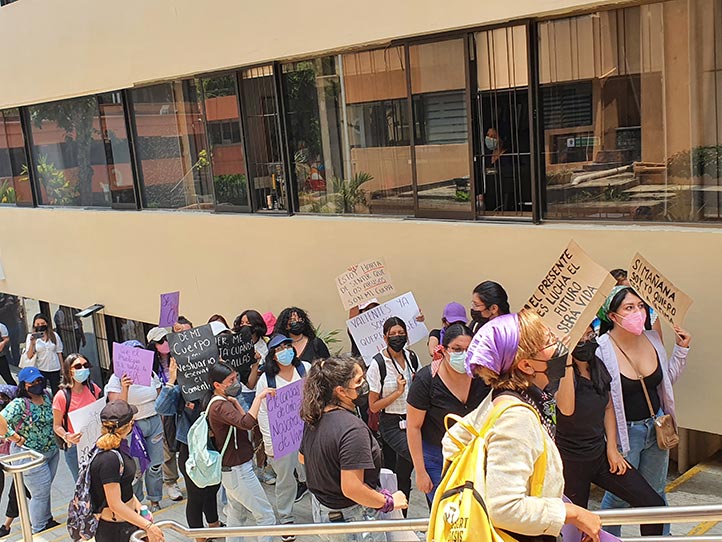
367	328
86	420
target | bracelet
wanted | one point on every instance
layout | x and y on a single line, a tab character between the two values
570	365
389	504
150	524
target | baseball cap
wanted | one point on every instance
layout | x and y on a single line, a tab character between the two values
157	334
455	312
29	374
277	340
367	304
270	320
118	412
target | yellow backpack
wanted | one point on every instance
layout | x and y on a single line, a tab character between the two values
458	513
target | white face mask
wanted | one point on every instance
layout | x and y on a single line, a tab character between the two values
457	360
491	143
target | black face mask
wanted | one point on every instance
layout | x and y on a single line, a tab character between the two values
585	351
362	392
478	318
556	365
37	389
397	342
41	329
246	333
297	327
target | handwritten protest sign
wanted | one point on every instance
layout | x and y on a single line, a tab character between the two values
136	363
284	419
169	307
658	291
363	282
367	328
86	420
571	293
236	350
195	351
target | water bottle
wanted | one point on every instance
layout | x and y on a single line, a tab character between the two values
145	513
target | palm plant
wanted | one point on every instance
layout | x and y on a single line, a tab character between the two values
349	193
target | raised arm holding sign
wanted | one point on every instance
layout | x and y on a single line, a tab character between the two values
195	351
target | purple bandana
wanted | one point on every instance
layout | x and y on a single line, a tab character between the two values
494	346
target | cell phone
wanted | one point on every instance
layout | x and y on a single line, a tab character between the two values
38	335
336	517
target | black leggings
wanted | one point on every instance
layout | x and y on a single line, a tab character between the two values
12	509
114	531
631	486
53	378
5	371
395	438
201	500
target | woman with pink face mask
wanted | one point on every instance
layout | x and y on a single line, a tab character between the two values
634	358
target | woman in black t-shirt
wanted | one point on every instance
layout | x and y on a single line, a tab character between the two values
439	389
111	486
294	323
587	437
342	457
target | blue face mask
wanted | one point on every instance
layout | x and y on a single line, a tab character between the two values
285	357
457	360
81	375
491	142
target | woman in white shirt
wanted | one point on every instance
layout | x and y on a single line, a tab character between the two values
150	424
282	368
389	397
44	347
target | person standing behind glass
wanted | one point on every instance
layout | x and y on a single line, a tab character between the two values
4	353
294	323
45	346
488	301
434	395
388	395
76	391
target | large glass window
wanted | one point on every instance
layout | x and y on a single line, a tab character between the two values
263	141
441	148
81	153
618	88
171	145
503	156
14	181
230	177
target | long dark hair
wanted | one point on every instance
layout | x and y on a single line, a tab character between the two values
48	322
68	380
394	321
492	293
157	365
272	365
455	331
23	389
321	382
217	372
285	317
258	324
607	325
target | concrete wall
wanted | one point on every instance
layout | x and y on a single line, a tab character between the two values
226	263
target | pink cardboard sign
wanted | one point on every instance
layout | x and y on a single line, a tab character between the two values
169	306
136	363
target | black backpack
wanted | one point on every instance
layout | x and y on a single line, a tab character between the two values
271	378
379	359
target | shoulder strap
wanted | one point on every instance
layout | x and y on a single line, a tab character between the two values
414	359
120	459
270	379
68	395
381	362
231	431
639	375
301	370
208	408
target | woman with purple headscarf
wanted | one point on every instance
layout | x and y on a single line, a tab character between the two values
518	356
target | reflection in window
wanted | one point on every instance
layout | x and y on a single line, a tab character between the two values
230	179
265	158
503	159
81	153
171	145
619	142
438	80
14	181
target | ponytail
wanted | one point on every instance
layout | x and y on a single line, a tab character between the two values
111	436
322	380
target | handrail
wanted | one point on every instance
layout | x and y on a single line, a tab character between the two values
624	516
36	459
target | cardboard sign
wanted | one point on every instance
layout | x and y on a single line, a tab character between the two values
236	351
194	350
169	307
136	363
658	291
571	293
284	419
367	328
86	420
363	282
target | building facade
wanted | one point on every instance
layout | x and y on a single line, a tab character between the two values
247	155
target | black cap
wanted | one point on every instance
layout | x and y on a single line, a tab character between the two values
119	412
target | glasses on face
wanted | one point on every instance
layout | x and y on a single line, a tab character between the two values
477	307
85	365
556	343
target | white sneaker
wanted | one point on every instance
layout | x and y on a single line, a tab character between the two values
174	492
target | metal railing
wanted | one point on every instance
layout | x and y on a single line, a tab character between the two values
7	464
625	516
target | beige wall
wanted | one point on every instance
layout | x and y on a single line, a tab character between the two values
76	47
79	258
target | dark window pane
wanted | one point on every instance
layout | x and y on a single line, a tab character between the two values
14	181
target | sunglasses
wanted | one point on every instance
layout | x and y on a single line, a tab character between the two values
85	365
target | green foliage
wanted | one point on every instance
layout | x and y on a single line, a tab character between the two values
331	338
217	87
231	189
347	194
698	162
462	196
57	187
7	192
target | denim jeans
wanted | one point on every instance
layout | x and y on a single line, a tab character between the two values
434	463
286	484
246	493
39	481
152	429
352	513
71	460
246	399
645	456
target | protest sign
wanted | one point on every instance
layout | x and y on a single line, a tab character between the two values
363	282
284	419
169	307
571	534
571	293
194	350
136	363
658	291
236	350
86	420
367	328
